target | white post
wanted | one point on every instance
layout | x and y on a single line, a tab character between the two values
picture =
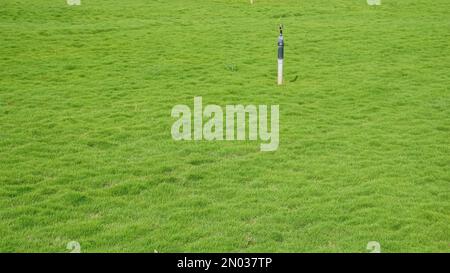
280	71
73	2
280	56
374	2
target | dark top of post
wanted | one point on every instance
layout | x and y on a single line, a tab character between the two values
281	44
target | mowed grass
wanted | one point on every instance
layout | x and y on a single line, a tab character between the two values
86	152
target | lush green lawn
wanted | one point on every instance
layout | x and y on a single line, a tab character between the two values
86	152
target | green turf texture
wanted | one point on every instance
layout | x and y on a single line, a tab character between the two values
86	152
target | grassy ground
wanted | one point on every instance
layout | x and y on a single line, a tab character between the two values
86	152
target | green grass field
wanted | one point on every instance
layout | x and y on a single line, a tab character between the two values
86	152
